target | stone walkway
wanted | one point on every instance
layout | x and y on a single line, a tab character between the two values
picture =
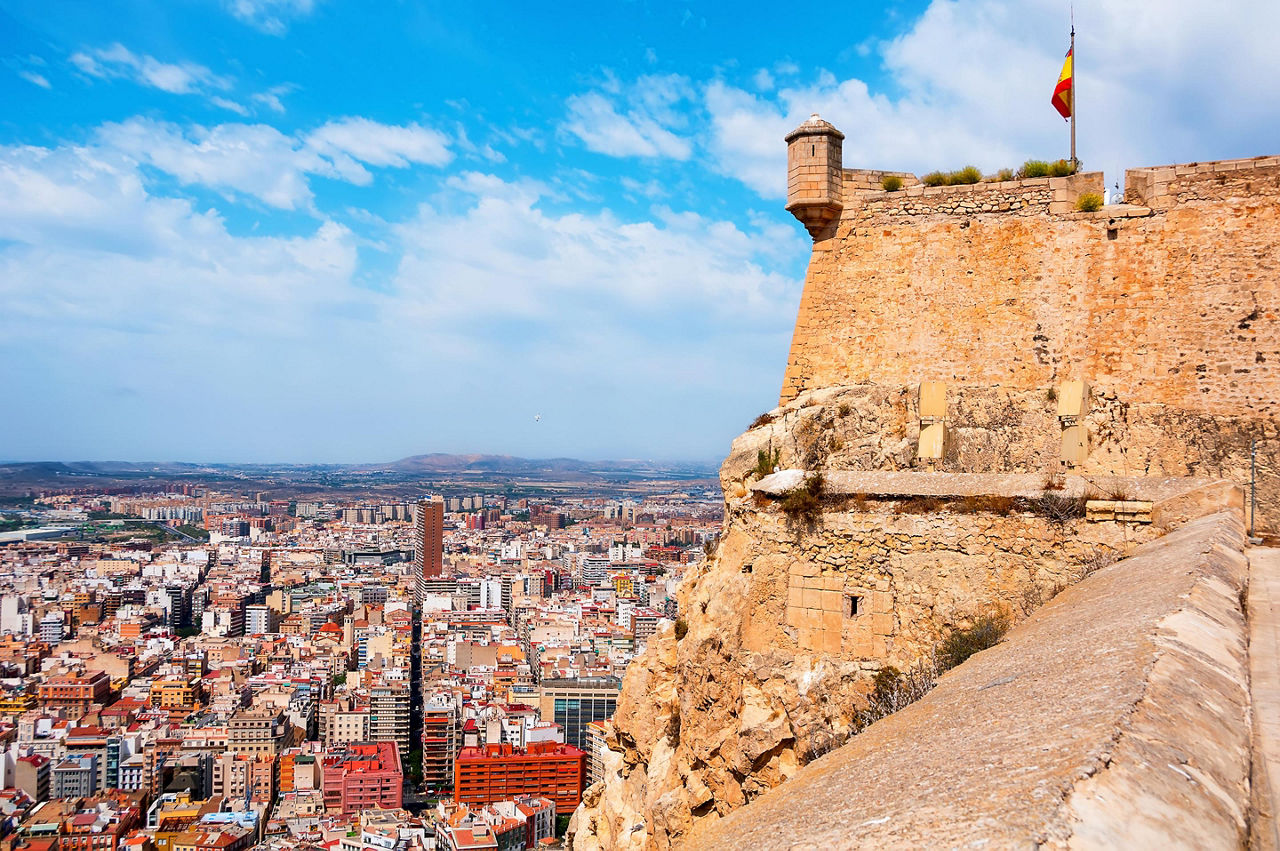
1264	678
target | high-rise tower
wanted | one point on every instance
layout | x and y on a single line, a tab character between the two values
428	542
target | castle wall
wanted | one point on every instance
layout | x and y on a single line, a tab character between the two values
914	575
1175	307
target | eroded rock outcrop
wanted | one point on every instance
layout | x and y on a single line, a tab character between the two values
787	623
1117	716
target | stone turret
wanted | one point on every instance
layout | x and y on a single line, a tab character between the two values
815	175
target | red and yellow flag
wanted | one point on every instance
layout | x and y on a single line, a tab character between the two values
1061	99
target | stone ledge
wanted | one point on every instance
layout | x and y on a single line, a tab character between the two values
1029	485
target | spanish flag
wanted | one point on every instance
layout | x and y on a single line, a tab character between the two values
1061	99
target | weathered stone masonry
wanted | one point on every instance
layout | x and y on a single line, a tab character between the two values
1169	305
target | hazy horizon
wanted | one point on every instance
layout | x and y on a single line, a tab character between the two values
285	231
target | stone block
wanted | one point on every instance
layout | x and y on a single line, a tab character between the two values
833	583
832	601
795	596
882	624
811	598
832	642
881	602
831	621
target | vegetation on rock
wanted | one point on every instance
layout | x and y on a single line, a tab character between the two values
961	643
804	503
766	461
762	420
1089	202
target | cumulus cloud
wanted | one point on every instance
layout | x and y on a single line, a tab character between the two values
484	277
118	62
259	161
969	82
643	119
535	263
103	282
270	16
382	145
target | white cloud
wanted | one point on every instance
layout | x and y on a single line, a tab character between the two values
269	16
92	247
271	97
970	83
253	159
188	328
560	267
38	79
118	62
381	144
642	120
260	161
229	105
762	80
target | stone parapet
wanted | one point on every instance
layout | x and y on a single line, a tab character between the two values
1165	187
1030	196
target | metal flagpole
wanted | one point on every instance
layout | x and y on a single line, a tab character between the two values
1073	85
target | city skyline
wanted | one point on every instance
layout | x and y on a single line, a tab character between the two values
297	231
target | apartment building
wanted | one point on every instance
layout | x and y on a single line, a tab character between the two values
483	775
257	731
361	776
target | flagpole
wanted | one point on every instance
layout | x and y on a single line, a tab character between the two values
1073	90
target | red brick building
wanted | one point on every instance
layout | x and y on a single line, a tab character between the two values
362	775
501	772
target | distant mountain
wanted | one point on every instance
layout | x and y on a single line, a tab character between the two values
437	469
439	462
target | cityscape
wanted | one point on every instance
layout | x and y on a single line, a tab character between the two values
225	669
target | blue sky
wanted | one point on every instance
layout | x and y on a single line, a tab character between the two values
327	230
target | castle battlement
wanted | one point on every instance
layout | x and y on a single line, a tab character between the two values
1157	188
864	194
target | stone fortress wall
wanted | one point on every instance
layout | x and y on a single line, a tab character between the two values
1168	304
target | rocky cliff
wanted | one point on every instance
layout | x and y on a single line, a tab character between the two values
789	620
1118	716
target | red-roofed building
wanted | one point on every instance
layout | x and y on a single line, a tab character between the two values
502	772
32	775
75	694
101	827
361	776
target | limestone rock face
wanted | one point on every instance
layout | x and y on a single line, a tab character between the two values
1117	716
787	624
